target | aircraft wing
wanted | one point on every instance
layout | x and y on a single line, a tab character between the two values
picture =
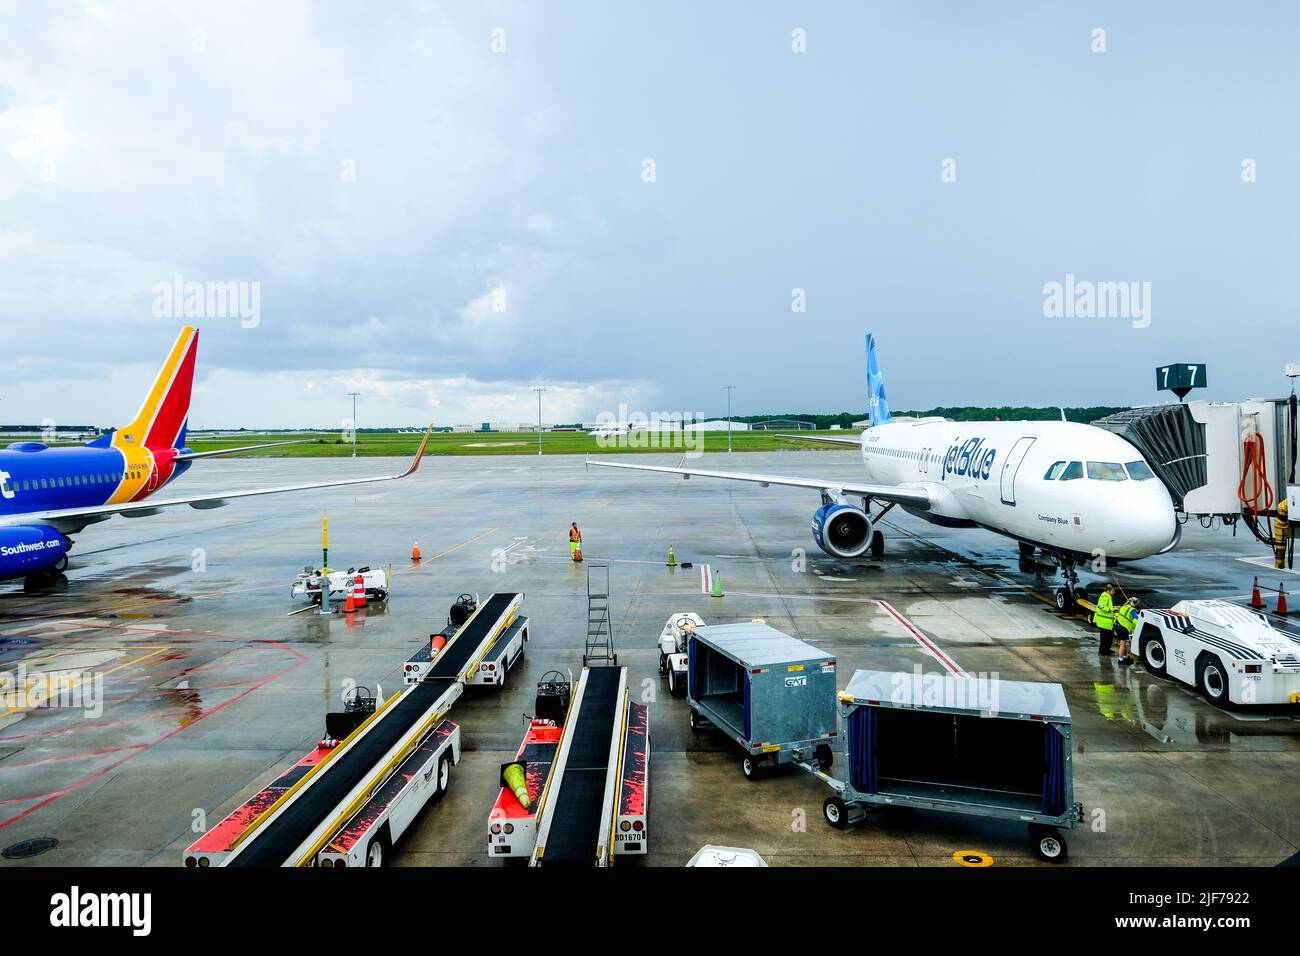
72	520
824	440
191	456
912	497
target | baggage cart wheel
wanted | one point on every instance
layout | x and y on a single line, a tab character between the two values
675	685
835	812
1049	845
1153	655
663	663
751	767
825	757
695	719
443	779
378	848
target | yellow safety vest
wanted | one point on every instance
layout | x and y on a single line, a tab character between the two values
1127	617
1104	616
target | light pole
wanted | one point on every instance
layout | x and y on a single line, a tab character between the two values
354	422
538	389
728	389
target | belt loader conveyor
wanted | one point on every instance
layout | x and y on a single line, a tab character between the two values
293	820
596	795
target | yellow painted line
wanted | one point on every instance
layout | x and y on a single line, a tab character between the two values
454	547
76	679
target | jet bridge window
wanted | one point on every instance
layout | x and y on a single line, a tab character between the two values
1139	470
1073	470
1106	471
1055	471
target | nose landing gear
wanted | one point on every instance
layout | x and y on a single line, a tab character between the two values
1068	596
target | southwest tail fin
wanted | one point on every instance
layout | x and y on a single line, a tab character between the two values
877	404
162	418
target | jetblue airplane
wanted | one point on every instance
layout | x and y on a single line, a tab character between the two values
1076	492
48	494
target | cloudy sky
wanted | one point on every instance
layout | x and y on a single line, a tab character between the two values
441	205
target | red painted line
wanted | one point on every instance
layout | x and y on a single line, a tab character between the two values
73	788
66	757
925	642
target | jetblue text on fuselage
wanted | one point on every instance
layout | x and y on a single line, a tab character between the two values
971	458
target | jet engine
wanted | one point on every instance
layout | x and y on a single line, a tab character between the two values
31	549
841	530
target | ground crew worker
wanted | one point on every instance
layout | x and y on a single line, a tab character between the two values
1126	618
1104	619
575	540
1280	531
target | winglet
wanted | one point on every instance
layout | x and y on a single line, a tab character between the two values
415	462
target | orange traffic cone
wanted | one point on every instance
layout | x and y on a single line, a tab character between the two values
359	592
350	605
1281	600
1256	599
415	552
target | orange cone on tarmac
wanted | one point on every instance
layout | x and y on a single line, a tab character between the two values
1281	600
359	592
349	606
415	552
1256	599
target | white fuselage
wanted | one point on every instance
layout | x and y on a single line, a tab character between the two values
994	475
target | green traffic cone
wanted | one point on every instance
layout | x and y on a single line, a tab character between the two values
672	558
717	584
515	779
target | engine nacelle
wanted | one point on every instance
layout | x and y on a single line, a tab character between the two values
842	531
31	549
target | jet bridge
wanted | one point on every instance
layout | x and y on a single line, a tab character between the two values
1224	460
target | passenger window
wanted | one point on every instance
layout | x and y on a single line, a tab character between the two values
1106	471
1139	470
1055	471
1073	470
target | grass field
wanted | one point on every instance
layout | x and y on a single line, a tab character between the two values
504	443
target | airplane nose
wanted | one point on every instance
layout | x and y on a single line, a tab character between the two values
1148	526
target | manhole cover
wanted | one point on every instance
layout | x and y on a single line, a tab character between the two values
29	848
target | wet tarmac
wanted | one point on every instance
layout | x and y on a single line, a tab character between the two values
199	687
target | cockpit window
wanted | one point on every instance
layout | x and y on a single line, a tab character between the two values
1055	471
1106	471
1073	470
1139	470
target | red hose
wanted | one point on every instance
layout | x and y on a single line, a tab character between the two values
1255	461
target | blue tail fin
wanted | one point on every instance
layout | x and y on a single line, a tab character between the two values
877	404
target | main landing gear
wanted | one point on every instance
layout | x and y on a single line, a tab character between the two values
51	579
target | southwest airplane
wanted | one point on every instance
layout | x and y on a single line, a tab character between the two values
48	494
1077	492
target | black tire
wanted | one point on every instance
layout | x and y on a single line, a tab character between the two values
1063	600
877	544
1080	594
825	758
694	720
751	767
1154	655
663	663
676	686
443	779
835	812
1212	679
1049	845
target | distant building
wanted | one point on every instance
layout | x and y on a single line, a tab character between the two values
717	425
783	425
